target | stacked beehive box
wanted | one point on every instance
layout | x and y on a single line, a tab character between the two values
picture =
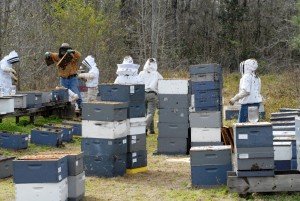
284	121
173	116
285	152
41	177
6	166
6	105
134	95
33	99
254	153
206	104
297	129
104	138
209	165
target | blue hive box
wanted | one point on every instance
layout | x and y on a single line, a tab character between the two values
122	93
67	131
46	136
104	165
40	169
205	85
282	164
6	166
258	134
136	109
136	142
33	99
13	140
173	101
173	130
174	115
60	95
77	127
205	68
172	146
208	108
99	146
104	111
136	159
210	175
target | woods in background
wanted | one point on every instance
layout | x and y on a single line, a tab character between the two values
177	32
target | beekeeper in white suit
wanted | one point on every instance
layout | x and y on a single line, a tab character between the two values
249	89
91	77
150	77
128	72
7	73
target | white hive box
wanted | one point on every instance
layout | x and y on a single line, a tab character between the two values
282	151
105	129
205	134
19	100
7	105
173	86
137	126
42	191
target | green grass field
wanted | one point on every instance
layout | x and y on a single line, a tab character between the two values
165	179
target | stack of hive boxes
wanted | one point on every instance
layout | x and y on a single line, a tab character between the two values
254	153
297	129
134	95
41	177
77	126
209	165
104	138
206	104
173	116
284	121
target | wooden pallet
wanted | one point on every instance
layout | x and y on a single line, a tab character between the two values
227	136
283	181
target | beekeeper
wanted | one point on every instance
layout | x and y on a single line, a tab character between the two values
68	75
150	77
128	72
7	73
249	89
91	78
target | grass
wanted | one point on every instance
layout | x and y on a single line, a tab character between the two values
165	179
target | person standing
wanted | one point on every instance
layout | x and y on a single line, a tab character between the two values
128	72
249	89
150	77
7	73
92	77
68	74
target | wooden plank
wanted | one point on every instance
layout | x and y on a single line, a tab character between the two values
278	183
224	136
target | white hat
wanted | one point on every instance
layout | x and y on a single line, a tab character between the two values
127	67
13	57
251	65
89	62
65	45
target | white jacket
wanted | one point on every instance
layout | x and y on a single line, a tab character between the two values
93	75
5	74
150	76
250	84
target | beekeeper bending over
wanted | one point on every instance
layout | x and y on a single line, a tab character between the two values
150	77
92	77
128	72
7	73
249	89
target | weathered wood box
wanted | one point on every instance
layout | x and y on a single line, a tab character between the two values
6	166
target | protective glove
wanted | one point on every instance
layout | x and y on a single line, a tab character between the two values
14	77
47	55
9	70
232	101
86	75
69	51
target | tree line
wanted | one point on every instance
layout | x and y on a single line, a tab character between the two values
178	33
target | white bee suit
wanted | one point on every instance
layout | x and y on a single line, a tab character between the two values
128	72
250	84
150	76
6	71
